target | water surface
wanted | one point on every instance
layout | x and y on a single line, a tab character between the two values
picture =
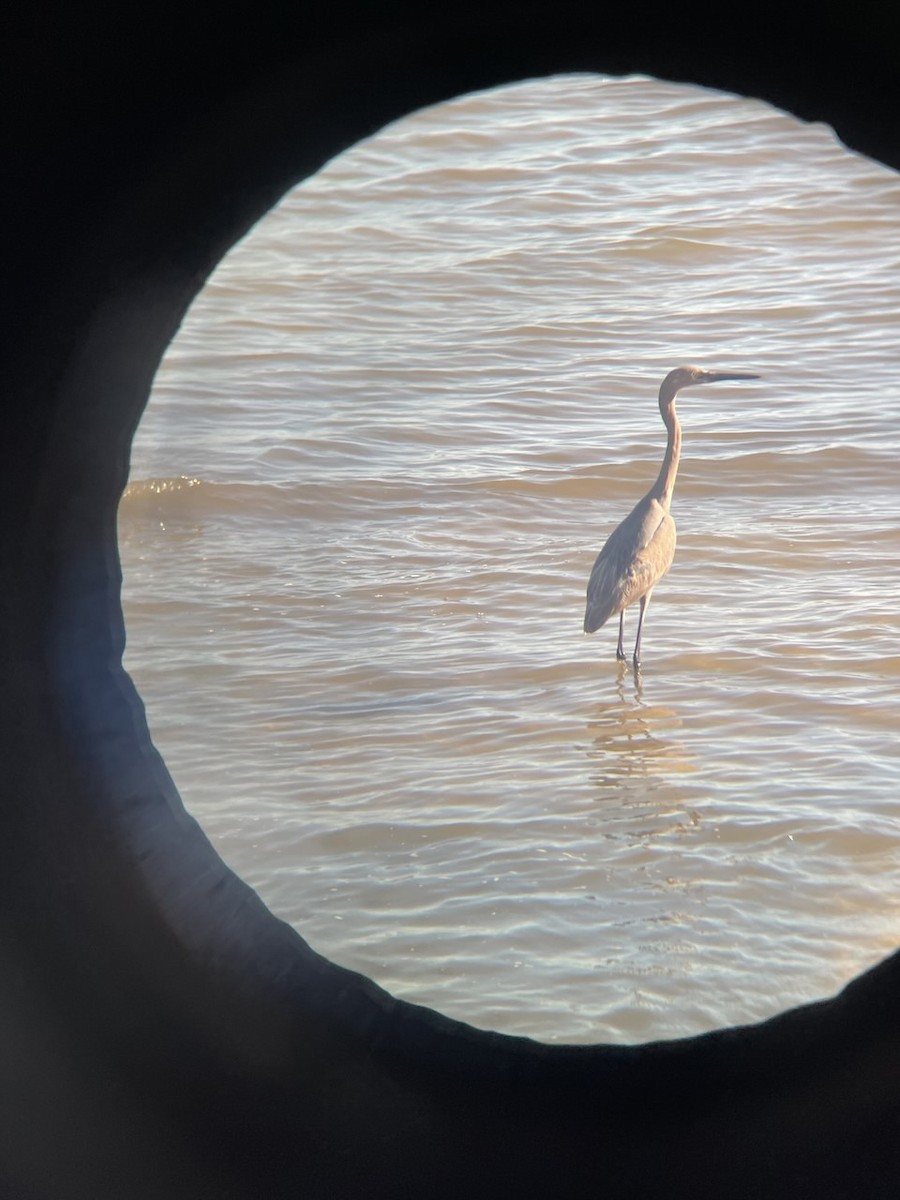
379	460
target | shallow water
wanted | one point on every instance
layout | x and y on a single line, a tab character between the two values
376	468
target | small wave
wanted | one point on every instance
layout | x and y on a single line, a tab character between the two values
142	488
187	498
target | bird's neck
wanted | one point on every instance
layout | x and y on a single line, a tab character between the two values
665	483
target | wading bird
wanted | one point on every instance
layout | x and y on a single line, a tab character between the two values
639	551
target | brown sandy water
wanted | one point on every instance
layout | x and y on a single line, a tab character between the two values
378	463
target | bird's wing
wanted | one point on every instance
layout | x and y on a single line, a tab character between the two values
607	585
636	555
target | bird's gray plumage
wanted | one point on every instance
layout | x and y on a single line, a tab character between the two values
640	550
637	554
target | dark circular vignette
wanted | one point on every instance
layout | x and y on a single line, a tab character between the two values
161	1033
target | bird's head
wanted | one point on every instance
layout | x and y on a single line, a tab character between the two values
683	377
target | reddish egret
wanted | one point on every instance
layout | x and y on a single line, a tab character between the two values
639	551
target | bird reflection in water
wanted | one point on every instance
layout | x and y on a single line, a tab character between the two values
631	739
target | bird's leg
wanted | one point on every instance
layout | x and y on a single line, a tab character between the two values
645	600
620	649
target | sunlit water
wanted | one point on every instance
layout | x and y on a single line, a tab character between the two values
378	463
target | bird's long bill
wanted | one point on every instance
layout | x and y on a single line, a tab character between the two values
721	376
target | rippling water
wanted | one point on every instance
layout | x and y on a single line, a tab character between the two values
378	463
